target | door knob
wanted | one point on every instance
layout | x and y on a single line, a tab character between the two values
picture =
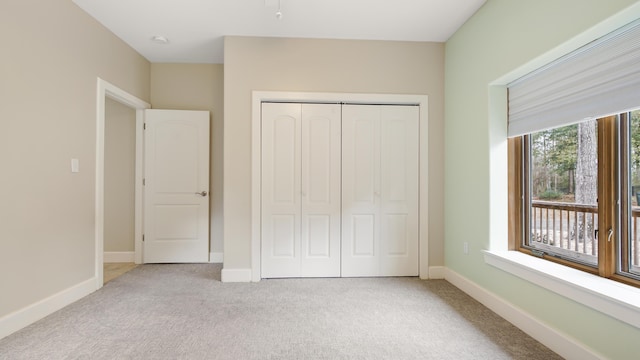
202	193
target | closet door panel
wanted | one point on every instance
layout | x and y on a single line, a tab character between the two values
284	160
363	235
380	190
360	190
281	203
321	157
284	236
317	237
399	190
395	229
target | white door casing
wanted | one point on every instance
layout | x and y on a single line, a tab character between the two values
380	190
176	191
300	190
254	272
107	90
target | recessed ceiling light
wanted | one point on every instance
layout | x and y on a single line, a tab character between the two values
160	39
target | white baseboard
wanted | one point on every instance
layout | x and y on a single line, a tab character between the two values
26	316
129	257
236	275
119	257
559	342
216	257
436	272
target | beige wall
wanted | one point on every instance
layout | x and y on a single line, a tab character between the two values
197	87
52	54
311	65
119	177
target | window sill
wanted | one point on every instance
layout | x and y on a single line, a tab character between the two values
612	298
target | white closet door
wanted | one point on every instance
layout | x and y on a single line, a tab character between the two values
360	190
399	191
380	190
320	239
281	206
300	190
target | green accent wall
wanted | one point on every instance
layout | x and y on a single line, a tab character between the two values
502	37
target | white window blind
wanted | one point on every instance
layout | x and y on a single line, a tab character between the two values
599	79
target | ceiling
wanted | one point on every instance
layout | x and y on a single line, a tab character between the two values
195	28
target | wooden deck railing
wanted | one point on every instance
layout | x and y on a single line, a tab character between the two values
570	229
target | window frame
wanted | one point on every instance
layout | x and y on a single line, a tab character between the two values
623	263
610	253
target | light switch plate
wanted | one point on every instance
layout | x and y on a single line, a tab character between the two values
75	165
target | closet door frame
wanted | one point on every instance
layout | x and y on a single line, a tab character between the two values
258	97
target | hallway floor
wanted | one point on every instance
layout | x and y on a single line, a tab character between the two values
113	270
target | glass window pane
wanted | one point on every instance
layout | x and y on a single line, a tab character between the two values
563	190
632	247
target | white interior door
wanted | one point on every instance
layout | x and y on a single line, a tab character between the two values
300	190
176	191
380	190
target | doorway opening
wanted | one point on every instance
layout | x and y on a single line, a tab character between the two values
105	91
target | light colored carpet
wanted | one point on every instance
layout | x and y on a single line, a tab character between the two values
185	312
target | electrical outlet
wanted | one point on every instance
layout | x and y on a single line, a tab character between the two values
465	248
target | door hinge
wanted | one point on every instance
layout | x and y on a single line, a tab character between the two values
144	126
142	237
144	182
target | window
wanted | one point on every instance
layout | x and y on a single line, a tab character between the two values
561	187
629	257
578	192
575	158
